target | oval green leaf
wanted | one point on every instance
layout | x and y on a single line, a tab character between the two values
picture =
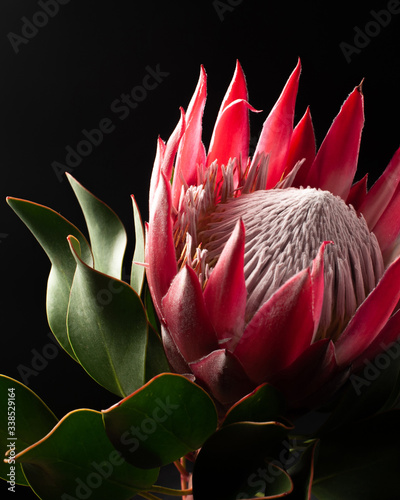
161	422
51	231
138	271
106	231
265	404
30	420
107	328
76	460
302	473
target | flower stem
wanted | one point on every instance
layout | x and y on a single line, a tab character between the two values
148	496
171	491
180	465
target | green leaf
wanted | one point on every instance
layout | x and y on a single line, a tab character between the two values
265	404
137	271
107	328
161	422
360	461
302	473
51	231
33	420
106	231
156	361
372	389
76	460
246	458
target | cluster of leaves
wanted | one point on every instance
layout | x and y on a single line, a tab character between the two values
103	324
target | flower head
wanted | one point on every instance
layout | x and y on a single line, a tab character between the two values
276	267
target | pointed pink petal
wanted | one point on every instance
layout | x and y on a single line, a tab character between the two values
358	193
278	128
231	134
370	317
172	146
160	249
317	283
336	162
280	330
225	292
381	192
237	88
223	376
389	335
174	356
387	229
155	174
186	317
191	150
302	146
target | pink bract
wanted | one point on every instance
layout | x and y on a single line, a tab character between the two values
208	330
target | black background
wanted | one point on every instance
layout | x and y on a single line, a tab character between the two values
66	77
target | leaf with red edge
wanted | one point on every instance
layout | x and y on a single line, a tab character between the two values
107	328
25	420
76	460
265	404
107	233
51	230
161	422
302	473
138	271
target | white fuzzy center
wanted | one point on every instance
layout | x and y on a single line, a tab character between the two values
284	230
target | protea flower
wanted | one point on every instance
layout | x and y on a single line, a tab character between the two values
275	268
